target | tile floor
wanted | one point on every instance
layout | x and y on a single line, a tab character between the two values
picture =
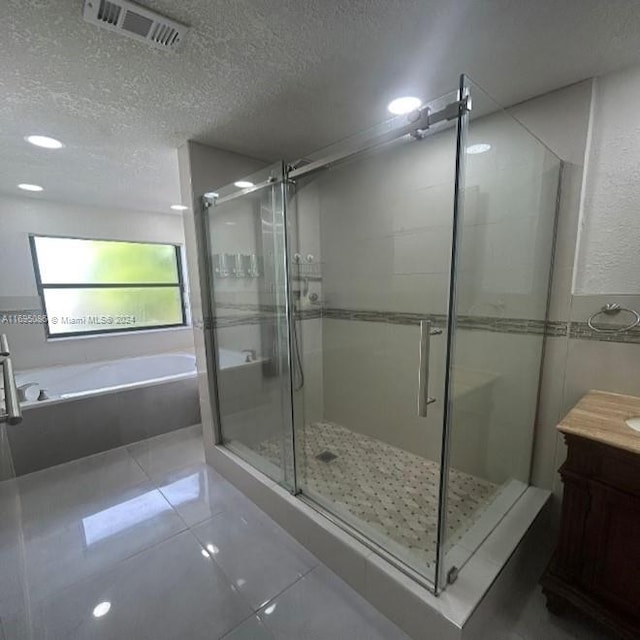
147	542
392	494
164	548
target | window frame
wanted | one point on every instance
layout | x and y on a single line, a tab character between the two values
180	285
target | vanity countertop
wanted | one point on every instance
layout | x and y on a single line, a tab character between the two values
600	416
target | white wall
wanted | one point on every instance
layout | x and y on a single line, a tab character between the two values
609	255
386	224
560	119
21	216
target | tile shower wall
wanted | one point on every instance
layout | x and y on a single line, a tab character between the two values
21	216
580	360
386	236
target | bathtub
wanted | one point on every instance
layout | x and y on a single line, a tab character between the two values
99	406
92	379
94	407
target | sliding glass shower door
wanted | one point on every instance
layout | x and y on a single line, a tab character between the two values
380	311
249	292
370	280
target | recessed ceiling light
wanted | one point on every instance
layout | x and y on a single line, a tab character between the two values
101	609
29	187
244	184
45	142
481	147
407	104
211	194
179	207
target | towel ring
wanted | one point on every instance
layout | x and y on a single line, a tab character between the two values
611	309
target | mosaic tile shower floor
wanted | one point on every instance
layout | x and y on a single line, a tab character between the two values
393	492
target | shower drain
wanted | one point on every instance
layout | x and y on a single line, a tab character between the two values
326	456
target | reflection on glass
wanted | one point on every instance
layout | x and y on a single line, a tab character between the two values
247	253
505	225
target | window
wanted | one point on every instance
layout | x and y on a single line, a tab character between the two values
99	286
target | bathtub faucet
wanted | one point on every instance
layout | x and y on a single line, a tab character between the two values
23	391
252	355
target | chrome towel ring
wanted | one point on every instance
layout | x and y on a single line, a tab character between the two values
611	309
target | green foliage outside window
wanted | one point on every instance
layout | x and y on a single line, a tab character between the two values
91	286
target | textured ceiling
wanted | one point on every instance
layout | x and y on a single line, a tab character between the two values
268	78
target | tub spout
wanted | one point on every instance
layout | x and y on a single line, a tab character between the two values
28	391
252	355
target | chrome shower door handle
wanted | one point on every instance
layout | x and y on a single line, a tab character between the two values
424	399
12	414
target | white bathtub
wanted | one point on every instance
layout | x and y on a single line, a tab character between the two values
103	405
81	380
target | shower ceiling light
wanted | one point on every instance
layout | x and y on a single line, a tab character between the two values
403	105
244	184
481	147
179	207
25	186
44	141
101	609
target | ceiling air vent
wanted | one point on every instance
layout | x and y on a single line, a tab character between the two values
135	21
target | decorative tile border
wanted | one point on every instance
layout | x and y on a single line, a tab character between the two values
582	331
472	323
256	314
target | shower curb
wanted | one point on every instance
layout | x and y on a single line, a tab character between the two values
467	610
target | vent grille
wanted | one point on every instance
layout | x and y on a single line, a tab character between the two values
109	12
135	21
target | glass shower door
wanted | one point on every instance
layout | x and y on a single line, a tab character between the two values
506	197
247	256
370	244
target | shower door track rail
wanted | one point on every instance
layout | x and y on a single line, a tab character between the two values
419	122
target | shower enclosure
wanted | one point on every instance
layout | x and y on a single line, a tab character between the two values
389	296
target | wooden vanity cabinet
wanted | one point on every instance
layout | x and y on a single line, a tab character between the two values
596	565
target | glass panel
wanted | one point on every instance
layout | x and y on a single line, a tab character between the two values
72	261
111	309
247	256
505	237
370	242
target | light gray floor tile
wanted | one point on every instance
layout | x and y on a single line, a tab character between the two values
321	606
109	530
168	592
70	490
251	629
97	530
259	557
173	450
198	492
